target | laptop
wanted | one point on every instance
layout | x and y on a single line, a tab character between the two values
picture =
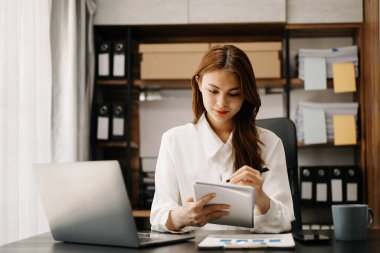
87	202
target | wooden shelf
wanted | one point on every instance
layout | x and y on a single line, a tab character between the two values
186	83
141	213
207	32
323	145
112	82
116	144
297	83
323	30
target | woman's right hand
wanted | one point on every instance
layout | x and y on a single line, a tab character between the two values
196	213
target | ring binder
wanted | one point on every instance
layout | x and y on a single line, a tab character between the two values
118	121
103	59
103	122
336	176
119	59
307	181
352	188
322	187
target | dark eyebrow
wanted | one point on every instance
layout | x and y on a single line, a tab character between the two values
216	87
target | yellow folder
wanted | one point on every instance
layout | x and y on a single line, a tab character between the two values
344	77
344	130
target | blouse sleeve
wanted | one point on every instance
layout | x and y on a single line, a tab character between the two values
276	186
166	196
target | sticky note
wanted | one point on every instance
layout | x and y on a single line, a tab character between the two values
344	129
315	74
344	77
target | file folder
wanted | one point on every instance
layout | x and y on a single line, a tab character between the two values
103	122
352	187
336	180
307	181
103	59
322	186
344	77
118	121
118	59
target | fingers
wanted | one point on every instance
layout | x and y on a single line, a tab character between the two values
201	212
203	201
204	218
247	176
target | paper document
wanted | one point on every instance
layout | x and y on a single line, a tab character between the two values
240	198
330	109
248	241
314	124
315	74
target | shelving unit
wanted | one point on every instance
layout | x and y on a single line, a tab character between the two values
354	31
128	88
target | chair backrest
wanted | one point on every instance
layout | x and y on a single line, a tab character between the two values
285	129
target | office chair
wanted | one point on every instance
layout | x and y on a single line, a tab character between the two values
285	129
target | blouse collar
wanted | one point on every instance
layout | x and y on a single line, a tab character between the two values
210	140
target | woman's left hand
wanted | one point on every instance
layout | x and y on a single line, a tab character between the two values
251	177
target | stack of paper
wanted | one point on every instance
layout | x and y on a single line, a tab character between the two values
239	197
322	122
331	56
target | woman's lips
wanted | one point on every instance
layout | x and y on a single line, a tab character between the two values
221	113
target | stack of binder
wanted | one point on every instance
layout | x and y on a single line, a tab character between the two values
110	59
328	110
330	185
111	121
148	167
331	55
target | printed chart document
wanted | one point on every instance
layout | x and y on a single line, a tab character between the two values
248	241
240	198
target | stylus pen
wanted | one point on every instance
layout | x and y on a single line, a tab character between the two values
262	170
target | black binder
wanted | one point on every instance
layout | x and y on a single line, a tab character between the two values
307	182
352	185
103	59
103	122
118	121
322	185
337	184
118	59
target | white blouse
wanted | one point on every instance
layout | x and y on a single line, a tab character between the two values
194	152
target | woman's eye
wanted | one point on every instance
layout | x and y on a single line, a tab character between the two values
213	91
234	95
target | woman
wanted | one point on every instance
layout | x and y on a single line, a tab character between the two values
222	143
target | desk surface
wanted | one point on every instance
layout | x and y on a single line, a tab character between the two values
44	243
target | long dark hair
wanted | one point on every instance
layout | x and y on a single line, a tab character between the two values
245	135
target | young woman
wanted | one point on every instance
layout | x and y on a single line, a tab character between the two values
222	143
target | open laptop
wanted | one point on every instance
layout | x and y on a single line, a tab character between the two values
87	202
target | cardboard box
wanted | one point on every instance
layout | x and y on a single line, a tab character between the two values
170	61
265	57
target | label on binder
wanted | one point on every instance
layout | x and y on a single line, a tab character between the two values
103	64
118	126
103	124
